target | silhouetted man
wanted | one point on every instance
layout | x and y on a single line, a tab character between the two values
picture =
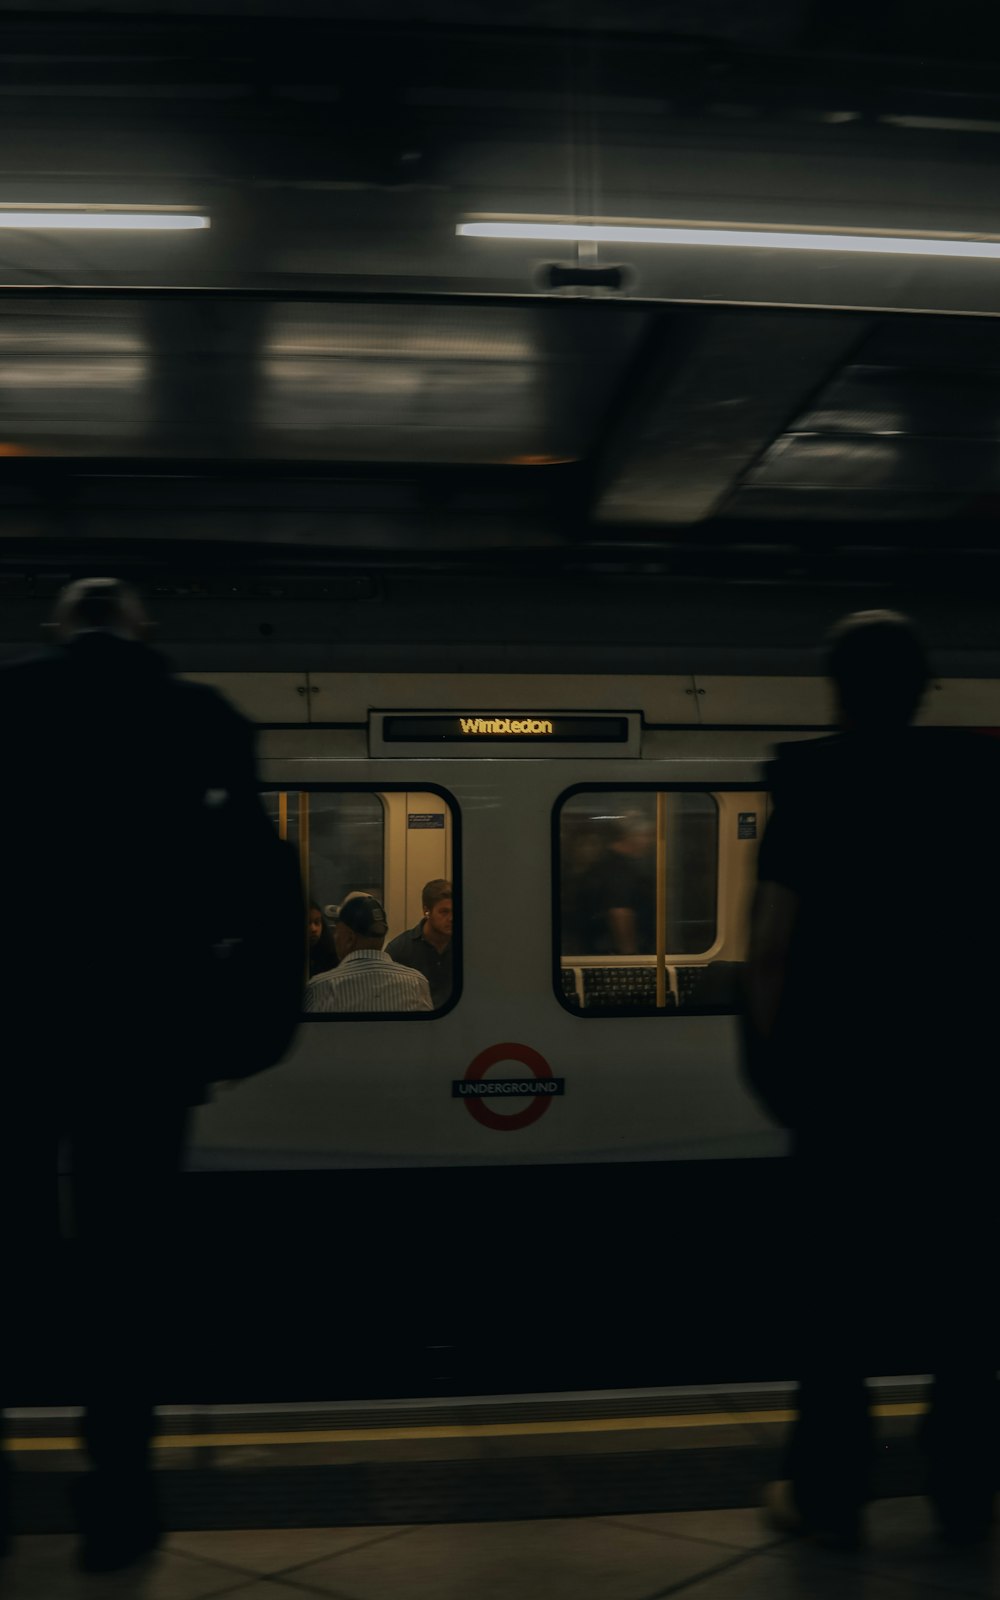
134	850
874	959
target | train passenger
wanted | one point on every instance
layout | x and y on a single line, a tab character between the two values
322	949
127	764
612	905
427	947
883	842
367	979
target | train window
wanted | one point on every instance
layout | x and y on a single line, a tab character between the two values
387	856
653	896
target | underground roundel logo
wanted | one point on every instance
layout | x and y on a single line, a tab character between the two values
478	1091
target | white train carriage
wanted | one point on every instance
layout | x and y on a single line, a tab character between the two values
622	1048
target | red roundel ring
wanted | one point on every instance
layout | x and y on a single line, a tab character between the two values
479	1067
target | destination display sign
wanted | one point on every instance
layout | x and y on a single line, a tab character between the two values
523	732
494	727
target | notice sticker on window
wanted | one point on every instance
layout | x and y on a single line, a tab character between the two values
747	827
425	819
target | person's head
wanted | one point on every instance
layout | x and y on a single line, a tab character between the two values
316	923
104	604
439	907
360	924
629	836
879	669
322	944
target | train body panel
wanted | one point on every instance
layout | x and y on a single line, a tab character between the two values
647	1079
369	1092
688	699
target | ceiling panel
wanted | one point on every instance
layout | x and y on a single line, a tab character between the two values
908	429
715	390
73	374
932	402
246	379
655	406
443	384
803	461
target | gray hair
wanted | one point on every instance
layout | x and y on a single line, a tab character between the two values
104	603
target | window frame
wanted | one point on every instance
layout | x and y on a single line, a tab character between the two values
377	788
625	787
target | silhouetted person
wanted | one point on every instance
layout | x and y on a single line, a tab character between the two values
427	948
119	775
611	906
874	959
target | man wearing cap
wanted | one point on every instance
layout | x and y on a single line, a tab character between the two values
367	979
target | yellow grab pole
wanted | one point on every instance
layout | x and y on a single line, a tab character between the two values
661	901
282	815
304	863
304	841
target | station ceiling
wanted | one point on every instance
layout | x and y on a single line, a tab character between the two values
331	371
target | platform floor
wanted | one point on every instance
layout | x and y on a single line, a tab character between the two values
617	1494
706	1555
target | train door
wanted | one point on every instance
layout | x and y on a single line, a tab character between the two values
418	850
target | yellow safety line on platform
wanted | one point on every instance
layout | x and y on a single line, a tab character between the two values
471	1430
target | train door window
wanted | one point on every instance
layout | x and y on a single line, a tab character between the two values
653	891
391	850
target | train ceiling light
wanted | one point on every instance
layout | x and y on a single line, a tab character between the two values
858	241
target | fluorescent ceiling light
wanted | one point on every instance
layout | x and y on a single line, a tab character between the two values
89	217
896	244
947	124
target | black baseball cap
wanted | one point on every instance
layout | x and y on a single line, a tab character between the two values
364	915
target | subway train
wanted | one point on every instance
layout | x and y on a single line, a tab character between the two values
588	1022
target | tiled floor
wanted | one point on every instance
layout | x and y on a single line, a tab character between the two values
706	1555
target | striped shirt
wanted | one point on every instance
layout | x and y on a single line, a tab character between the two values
368	980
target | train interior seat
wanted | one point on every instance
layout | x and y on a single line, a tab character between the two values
716	984
593	988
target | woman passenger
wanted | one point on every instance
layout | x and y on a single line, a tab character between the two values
322	951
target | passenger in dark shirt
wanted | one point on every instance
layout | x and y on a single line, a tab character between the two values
615	898
882	854
427	947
